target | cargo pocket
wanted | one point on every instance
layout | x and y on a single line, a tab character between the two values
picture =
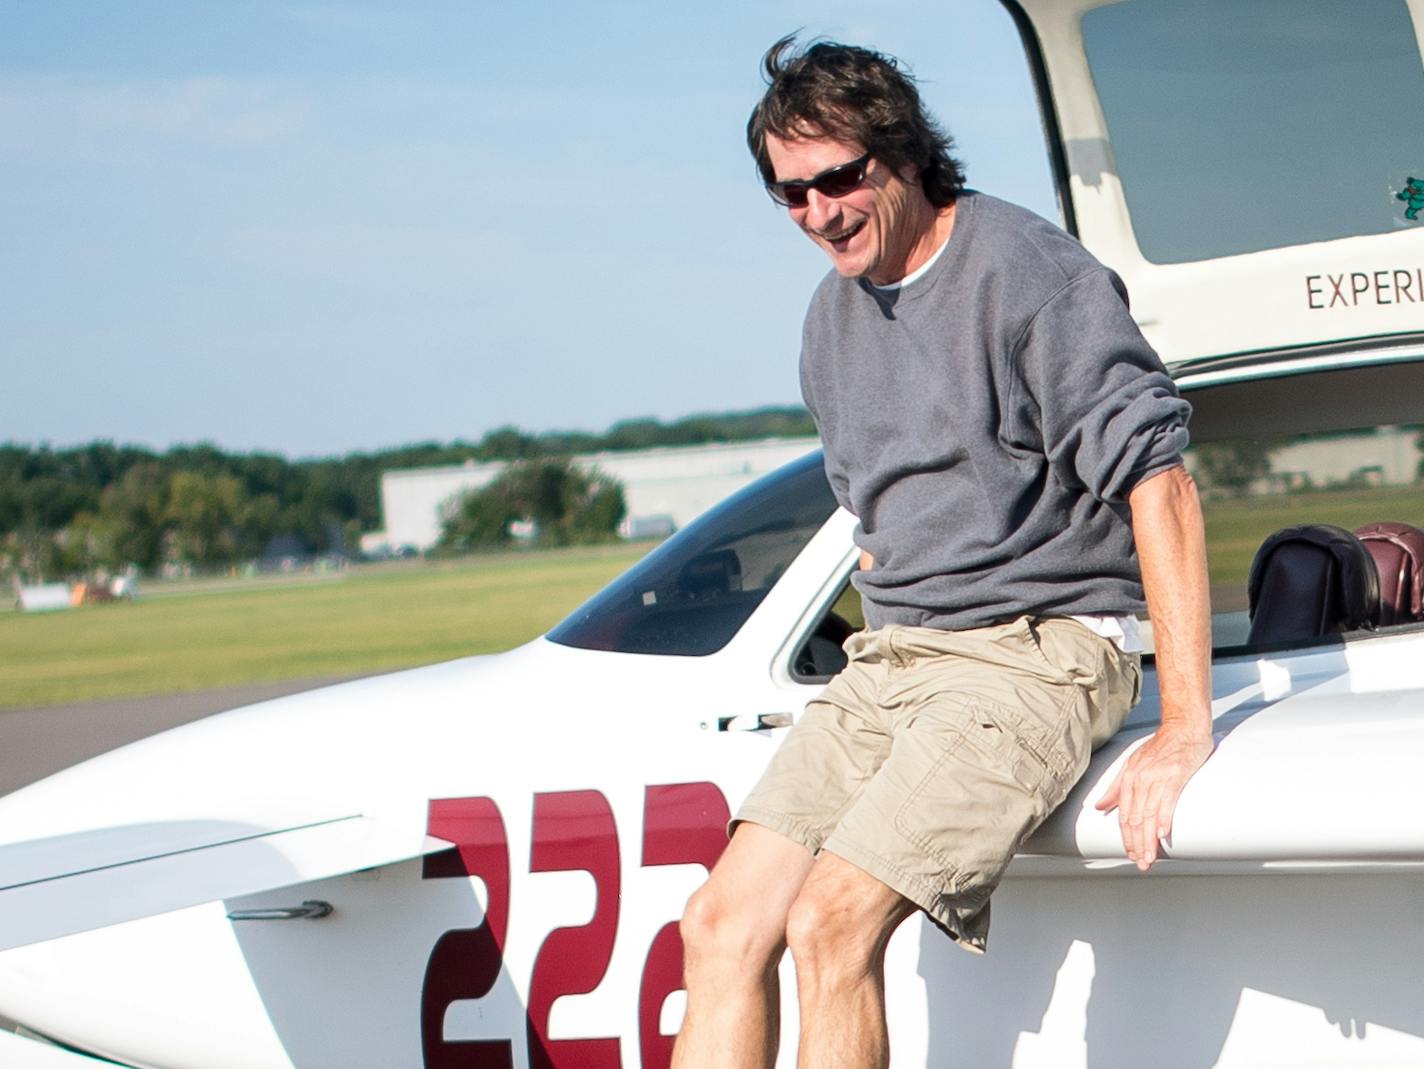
987	791
1027	750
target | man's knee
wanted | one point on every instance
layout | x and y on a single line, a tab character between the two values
821	931
842	919
719	931
737	919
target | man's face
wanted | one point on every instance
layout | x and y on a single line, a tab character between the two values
871	231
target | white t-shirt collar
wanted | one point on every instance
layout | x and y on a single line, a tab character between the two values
918	272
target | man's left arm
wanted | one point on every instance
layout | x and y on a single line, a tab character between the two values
1171	549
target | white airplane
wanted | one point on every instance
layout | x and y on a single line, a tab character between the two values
481	863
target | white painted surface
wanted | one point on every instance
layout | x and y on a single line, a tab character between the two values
121	872
170	992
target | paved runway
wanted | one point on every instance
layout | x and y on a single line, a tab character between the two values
37	742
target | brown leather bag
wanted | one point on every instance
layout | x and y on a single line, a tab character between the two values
1398	550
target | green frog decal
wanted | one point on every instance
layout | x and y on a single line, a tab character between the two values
1413	196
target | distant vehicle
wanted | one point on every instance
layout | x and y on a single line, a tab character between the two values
481	863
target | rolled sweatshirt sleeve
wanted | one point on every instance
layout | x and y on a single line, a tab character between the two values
1106	413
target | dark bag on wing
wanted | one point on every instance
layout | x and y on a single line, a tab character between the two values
1309	581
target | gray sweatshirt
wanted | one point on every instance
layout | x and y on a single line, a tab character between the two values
985	424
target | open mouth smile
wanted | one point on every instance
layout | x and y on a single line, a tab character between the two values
843	236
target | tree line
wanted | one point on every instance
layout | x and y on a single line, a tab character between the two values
554	501
105	507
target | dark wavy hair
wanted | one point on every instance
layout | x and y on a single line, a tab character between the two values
857	96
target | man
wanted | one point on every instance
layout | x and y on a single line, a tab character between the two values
1011	448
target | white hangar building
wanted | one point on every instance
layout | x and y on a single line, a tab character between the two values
673	483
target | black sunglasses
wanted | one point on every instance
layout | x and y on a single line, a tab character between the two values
832	182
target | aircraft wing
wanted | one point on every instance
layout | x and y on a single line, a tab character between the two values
92	879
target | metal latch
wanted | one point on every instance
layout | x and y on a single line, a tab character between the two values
310	910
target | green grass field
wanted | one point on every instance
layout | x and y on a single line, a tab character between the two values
221	632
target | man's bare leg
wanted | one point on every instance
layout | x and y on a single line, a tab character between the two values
734	933
838	929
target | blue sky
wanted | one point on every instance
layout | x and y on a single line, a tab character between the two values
315	228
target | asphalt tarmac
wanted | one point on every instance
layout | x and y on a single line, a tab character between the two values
35	743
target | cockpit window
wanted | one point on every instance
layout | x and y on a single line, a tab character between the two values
691	594
1239	126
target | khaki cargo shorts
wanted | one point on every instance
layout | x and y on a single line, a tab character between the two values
934	754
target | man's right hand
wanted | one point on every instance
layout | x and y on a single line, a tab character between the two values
866	560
